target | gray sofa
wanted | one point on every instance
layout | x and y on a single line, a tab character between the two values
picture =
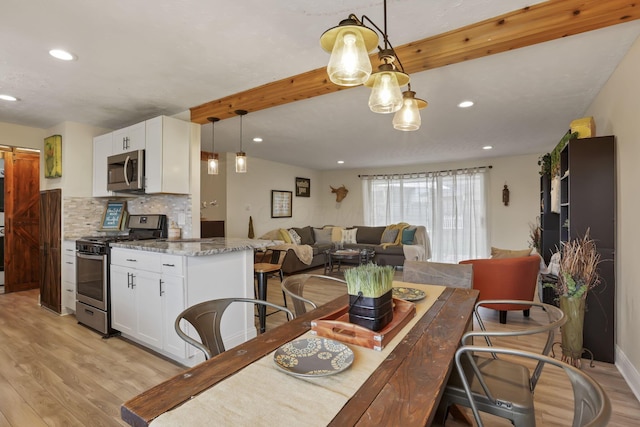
366	237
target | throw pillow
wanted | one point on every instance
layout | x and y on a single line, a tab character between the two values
295	237
349	236
322	235
408	234
369	235
336	234
509	253
271	235
284	235
306	235
389	236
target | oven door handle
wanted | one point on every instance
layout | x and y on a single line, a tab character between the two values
87	256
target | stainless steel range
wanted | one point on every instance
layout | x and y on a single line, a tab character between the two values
92	270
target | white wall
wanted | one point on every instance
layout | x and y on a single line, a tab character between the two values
249	194
22	136
615	111
77	159
509	226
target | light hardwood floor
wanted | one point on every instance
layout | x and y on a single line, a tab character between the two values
54	372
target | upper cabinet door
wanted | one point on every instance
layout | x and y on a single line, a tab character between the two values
129	139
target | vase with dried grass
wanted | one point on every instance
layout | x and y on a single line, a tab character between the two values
578	274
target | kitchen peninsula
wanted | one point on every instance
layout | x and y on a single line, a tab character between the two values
152	281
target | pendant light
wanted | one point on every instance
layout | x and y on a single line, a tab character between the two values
386	96
241	156
212	161
348	44
407	118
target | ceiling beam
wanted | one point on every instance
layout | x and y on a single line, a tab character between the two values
525	27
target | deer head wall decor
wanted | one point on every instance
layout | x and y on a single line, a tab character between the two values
341	193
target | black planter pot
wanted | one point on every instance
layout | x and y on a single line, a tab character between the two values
371	313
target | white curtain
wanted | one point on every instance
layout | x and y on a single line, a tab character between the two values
450	204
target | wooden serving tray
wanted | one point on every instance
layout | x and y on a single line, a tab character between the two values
336	326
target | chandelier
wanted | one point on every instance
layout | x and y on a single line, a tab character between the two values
349	65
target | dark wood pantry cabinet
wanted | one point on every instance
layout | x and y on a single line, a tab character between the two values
50	249
588	201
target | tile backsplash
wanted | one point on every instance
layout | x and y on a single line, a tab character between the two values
82	215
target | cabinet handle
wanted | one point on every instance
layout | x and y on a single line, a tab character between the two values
161	291
131	260
133	283
69	262
169	265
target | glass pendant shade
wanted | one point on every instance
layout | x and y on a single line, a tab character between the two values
408	118
349	64
213	164
386	96
212	161
241	162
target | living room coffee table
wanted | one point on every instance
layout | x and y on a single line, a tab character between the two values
353	256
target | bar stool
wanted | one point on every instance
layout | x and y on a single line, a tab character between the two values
268	265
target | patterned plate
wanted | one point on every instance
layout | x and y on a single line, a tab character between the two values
313	357
408	294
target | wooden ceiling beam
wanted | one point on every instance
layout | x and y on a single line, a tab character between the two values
525	27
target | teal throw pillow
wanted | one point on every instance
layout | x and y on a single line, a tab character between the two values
408	236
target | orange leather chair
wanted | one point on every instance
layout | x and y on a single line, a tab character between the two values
506	278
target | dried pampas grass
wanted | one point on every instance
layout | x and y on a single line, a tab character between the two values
578	267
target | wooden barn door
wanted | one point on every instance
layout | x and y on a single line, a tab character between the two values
22	212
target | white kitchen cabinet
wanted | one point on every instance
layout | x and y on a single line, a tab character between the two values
123	301
149	302
167	153
130	138
172	305
102	148
147	294
68	291
167	145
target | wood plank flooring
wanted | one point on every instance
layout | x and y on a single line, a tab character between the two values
54	372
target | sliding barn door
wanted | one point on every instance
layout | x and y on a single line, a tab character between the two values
22	212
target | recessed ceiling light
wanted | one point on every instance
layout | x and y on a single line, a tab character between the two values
487	147
62	55
340	162
8	97
465	104
257	139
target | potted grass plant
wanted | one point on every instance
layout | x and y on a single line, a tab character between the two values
370	295
578	274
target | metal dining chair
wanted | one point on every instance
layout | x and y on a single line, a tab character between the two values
438	273
294	286
504	387
205	318
507	392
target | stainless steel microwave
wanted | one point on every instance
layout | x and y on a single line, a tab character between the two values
125	172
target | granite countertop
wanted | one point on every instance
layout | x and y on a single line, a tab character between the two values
195	247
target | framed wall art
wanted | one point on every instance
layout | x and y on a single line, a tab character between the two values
281	204
303	187
53	156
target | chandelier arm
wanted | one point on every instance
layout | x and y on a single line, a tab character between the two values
387	43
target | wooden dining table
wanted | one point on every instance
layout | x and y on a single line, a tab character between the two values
405	389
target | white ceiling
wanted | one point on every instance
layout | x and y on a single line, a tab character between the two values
139	59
